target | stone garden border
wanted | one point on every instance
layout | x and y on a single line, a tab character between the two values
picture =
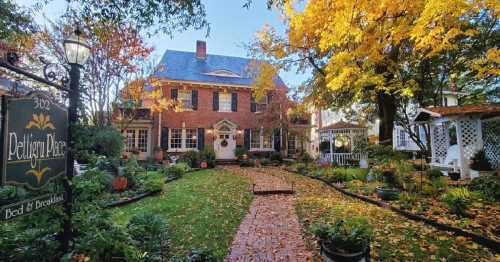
477	238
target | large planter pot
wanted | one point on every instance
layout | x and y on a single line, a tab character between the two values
455	176
120	183
159	155
334	256
387	193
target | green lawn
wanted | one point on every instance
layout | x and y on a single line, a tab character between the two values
204	210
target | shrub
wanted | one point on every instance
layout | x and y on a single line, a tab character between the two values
489	186
480	162
149	234
265	162
240	151
382	153
177	170
153	182
458	200
208	155
247	163
347	235
276	156
433	173
301	168
435	187
107	141
304	157
192	158
407	200
130	170
200	255
91	184
338	175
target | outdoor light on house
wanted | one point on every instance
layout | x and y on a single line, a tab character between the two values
76	48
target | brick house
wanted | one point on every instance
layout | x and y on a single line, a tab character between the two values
218	108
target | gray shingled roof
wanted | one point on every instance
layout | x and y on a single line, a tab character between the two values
179	65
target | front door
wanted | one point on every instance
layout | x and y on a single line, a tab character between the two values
224	144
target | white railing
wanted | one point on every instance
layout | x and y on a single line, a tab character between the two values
341	159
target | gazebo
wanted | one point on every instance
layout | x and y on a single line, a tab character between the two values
458	132
342	139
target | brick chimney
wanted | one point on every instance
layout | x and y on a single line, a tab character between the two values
201	49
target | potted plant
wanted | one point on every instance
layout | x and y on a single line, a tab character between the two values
480	165
454	175
119	183
345	240
240	153
158	153
389	191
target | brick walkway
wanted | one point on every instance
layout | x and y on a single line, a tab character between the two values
271	230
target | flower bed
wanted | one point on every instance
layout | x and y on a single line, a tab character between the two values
433	199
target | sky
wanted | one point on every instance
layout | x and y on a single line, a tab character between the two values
231	26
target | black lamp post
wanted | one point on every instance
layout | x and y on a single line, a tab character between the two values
76	51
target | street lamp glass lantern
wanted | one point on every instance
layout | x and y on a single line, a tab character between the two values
76	49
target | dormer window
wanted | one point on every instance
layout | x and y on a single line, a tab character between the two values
223	73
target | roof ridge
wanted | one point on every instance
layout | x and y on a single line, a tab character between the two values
210	54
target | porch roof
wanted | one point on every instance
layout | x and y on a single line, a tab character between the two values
342	125
488	110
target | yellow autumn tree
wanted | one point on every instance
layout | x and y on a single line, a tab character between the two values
385	53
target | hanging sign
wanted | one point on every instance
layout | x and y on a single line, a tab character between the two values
34	141
31	205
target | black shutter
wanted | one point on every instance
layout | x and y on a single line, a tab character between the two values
173	94
164	137
201	138
277	140
253	105
194	99
269	98
246	140
215	104
234	102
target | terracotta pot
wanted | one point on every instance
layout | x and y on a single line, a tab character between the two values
387	193
158	155
119	183
204	165
79	258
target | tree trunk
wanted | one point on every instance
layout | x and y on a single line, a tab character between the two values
386	113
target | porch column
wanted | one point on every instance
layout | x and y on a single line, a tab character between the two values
330	132
464	167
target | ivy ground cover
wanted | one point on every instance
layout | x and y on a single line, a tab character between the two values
203	209
395	237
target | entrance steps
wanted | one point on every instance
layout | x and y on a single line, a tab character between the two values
227	162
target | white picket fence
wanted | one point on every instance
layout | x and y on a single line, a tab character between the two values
341	159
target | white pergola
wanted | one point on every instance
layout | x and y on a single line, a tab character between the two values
342	134
458	132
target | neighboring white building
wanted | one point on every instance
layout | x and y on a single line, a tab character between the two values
401	139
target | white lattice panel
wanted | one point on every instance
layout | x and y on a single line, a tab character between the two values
491	140
470	137
441	142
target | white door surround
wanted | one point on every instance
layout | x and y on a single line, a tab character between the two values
224	139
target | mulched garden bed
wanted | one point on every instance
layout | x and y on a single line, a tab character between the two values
436	221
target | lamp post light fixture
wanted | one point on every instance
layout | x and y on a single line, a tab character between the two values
76	51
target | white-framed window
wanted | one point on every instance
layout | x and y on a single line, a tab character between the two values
183	139
175	138
130	140
191	139
137	138
259	140
142	140
262	104
224	102
186	98
402	138
255	138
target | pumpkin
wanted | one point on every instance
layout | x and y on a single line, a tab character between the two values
119	183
